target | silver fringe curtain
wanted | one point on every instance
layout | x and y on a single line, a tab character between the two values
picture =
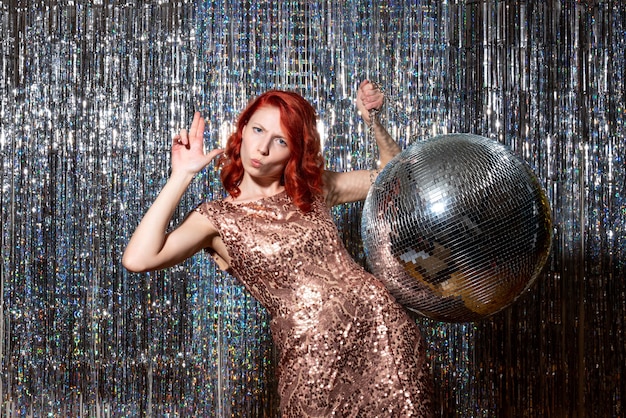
91	92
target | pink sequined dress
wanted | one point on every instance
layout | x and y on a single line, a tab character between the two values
347	349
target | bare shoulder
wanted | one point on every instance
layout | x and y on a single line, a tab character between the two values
344	187
199	218
199	224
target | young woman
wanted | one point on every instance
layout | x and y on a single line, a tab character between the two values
347	349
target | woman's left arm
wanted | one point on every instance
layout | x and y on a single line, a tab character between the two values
353	186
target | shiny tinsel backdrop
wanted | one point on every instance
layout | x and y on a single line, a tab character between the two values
91	92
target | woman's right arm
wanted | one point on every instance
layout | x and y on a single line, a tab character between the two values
151	247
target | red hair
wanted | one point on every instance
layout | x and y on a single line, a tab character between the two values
303	172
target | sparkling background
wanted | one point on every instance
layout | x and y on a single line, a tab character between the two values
91	92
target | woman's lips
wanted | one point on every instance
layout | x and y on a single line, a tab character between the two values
256	163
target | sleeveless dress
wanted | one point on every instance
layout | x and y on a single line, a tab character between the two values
346	347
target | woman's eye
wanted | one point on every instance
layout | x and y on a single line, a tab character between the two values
281	141
257	130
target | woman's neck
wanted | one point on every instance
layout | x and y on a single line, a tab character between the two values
251	191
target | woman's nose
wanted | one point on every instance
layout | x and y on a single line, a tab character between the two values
264	147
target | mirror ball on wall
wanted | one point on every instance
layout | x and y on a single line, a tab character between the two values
456	227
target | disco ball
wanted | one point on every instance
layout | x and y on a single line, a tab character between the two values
456	227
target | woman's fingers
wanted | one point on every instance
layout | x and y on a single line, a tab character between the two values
373	97
370	95
214	153
195	133
197	126
182	138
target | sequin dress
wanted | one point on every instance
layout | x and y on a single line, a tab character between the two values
347	349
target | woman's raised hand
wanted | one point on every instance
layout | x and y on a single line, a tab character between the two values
188	155
368	97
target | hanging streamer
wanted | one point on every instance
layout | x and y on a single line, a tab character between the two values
91	93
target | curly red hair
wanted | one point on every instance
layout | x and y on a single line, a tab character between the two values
303	171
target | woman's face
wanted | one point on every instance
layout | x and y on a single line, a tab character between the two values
264	146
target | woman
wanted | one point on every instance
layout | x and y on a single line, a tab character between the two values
346	347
